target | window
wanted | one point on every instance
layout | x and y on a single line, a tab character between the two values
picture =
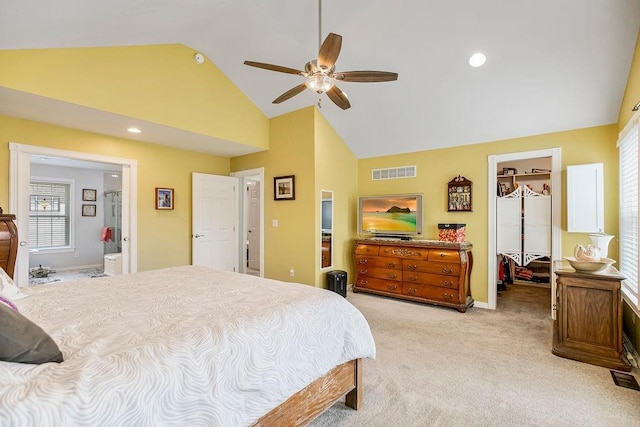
628	226
49	214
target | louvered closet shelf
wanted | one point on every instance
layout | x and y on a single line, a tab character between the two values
524	231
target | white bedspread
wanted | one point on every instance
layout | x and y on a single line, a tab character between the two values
179	346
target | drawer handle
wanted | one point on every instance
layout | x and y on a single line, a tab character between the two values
362	261
363	271
392	287
363	282
447	270
447	283
411	267
412	291
412	278
391	265
442	255
447	296
391	275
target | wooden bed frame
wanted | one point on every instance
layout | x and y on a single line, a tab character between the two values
311	401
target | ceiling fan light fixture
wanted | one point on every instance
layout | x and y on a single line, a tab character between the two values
477	60
319	83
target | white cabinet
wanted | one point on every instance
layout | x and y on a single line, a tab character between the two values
585	198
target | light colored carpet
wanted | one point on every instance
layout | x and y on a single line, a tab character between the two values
436	366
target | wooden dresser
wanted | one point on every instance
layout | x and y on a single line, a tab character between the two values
588	325
426	271
8	243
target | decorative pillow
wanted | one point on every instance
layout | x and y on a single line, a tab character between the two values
6	301
8	288
23	341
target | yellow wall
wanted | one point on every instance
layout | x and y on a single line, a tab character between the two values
632	92
336	170
291	245
437	167
160	84
164	236
631	97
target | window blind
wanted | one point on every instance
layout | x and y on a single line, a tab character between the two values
49	214
628	226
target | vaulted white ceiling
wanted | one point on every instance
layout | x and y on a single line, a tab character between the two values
552	65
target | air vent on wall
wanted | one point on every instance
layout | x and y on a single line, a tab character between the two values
394	173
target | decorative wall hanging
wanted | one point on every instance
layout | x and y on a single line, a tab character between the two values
164	198
284	188
88	210
459	193
89	195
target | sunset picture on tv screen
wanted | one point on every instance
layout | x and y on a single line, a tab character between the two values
389	214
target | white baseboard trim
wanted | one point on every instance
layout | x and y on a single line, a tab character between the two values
481	304
80	267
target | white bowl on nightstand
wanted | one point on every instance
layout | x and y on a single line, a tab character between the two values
589	266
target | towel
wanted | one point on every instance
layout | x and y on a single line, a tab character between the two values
107	234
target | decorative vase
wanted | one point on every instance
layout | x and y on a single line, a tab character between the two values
601	241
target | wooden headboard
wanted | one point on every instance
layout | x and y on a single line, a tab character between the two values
8	243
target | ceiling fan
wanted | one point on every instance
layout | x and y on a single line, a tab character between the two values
320	74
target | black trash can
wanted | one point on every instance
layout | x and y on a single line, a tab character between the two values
337	282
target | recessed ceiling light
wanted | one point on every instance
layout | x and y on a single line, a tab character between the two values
134	130
477	60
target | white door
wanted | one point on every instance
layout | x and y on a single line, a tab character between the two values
214	224
21	177
253	225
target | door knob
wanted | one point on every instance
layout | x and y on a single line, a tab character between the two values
23	243
198	235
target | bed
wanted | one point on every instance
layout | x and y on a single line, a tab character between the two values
187	346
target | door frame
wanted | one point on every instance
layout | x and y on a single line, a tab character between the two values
556	217
129	192
242	176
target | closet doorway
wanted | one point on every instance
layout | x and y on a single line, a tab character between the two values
500	182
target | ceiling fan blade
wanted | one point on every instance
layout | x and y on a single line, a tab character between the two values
365	76
339	97
330	50
290	93
272	67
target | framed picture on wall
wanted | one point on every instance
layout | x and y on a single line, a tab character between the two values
164	198
88	210
88	195
284	188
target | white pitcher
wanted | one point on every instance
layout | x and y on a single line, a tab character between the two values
601	241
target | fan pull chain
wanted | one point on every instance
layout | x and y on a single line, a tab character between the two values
319	102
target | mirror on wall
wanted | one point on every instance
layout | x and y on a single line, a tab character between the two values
326	215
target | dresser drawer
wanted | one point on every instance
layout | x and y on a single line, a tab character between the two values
432	267
380	273
444	255
430	279
380	262
379	284
430	292
367	250
406	252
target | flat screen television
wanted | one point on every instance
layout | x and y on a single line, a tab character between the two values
394	215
